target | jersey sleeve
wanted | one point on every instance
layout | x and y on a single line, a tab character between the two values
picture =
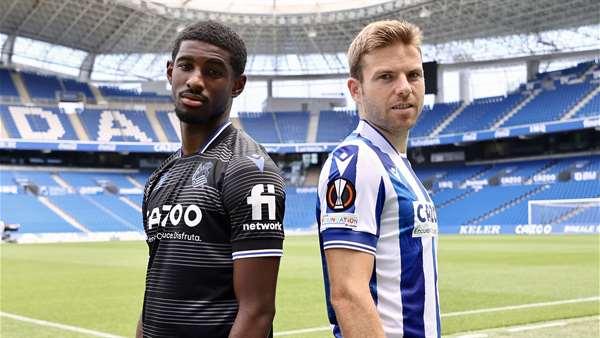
254	200
350	200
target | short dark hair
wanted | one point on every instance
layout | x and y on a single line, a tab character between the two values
216	34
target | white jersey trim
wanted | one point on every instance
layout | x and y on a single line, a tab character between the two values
257	253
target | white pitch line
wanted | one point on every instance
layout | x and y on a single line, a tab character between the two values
294	332
462	313
535	327
517	328
523	306
59	326
307	330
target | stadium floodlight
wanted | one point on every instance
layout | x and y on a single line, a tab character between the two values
582	212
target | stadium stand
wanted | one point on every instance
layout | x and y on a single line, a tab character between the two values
260	126
292	126
431	117
550	105
75	86
299	211
118	94
482	113
36	123
41	86
31	214
569	86
480	194
170	125
7	87
100	212
591	108
117	125
334	126
517	214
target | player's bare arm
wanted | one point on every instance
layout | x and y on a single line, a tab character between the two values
349	275
254	282
138	330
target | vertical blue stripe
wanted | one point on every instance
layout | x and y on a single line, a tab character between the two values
378	211
412	282
407	163
437	301
379	205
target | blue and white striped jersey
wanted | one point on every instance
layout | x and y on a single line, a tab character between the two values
370	200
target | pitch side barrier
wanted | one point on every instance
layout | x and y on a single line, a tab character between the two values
520	229
515	229
318	147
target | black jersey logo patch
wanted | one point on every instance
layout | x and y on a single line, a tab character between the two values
340	194
200	177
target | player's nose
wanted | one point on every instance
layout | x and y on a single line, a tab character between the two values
402	86
195	81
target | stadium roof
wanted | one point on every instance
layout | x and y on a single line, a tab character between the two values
129	40
145	26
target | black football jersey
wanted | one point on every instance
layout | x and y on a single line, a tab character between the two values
201	212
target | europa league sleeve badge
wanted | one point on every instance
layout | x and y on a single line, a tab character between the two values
341	194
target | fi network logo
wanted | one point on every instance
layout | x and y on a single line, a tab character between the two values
257	199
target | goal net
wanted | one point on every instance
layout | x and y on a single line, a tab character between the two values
584	211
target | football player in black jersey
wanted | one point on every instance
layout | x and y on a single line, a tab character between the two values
213	211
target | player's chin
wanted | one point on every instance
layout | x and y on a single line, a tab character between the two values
191	115
404	119
404	123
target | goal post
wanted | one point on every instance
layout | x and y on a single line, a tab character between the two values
583	211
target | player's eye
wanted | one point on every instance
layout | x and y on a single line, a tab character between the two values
185	66
385	76
214	72
415	75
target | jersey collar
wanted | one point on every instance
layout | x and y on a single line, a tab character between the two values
211	139
366	130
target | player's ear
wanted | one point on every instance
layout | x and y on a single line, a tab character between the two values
238	85
354	88
170	72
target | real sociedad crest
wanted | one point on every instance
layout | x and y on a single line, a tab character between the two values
200	175
340	194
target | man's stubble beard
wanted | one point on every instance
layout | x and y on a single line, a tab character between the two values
191	118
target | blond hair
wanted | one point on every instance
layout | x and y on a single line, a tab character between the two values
377	35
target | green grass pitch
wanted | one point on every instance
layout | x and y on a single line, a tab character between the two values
99	286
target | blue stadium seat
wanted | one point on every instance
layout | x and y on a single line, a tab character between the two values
550	105
431	117
482	113
591	108
517	214
167	121
31	214
445	195
34	123
118	94
7	87
100	212
260	126
479	203
117	125
293	126
78	87
300	209
334	126
41	86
